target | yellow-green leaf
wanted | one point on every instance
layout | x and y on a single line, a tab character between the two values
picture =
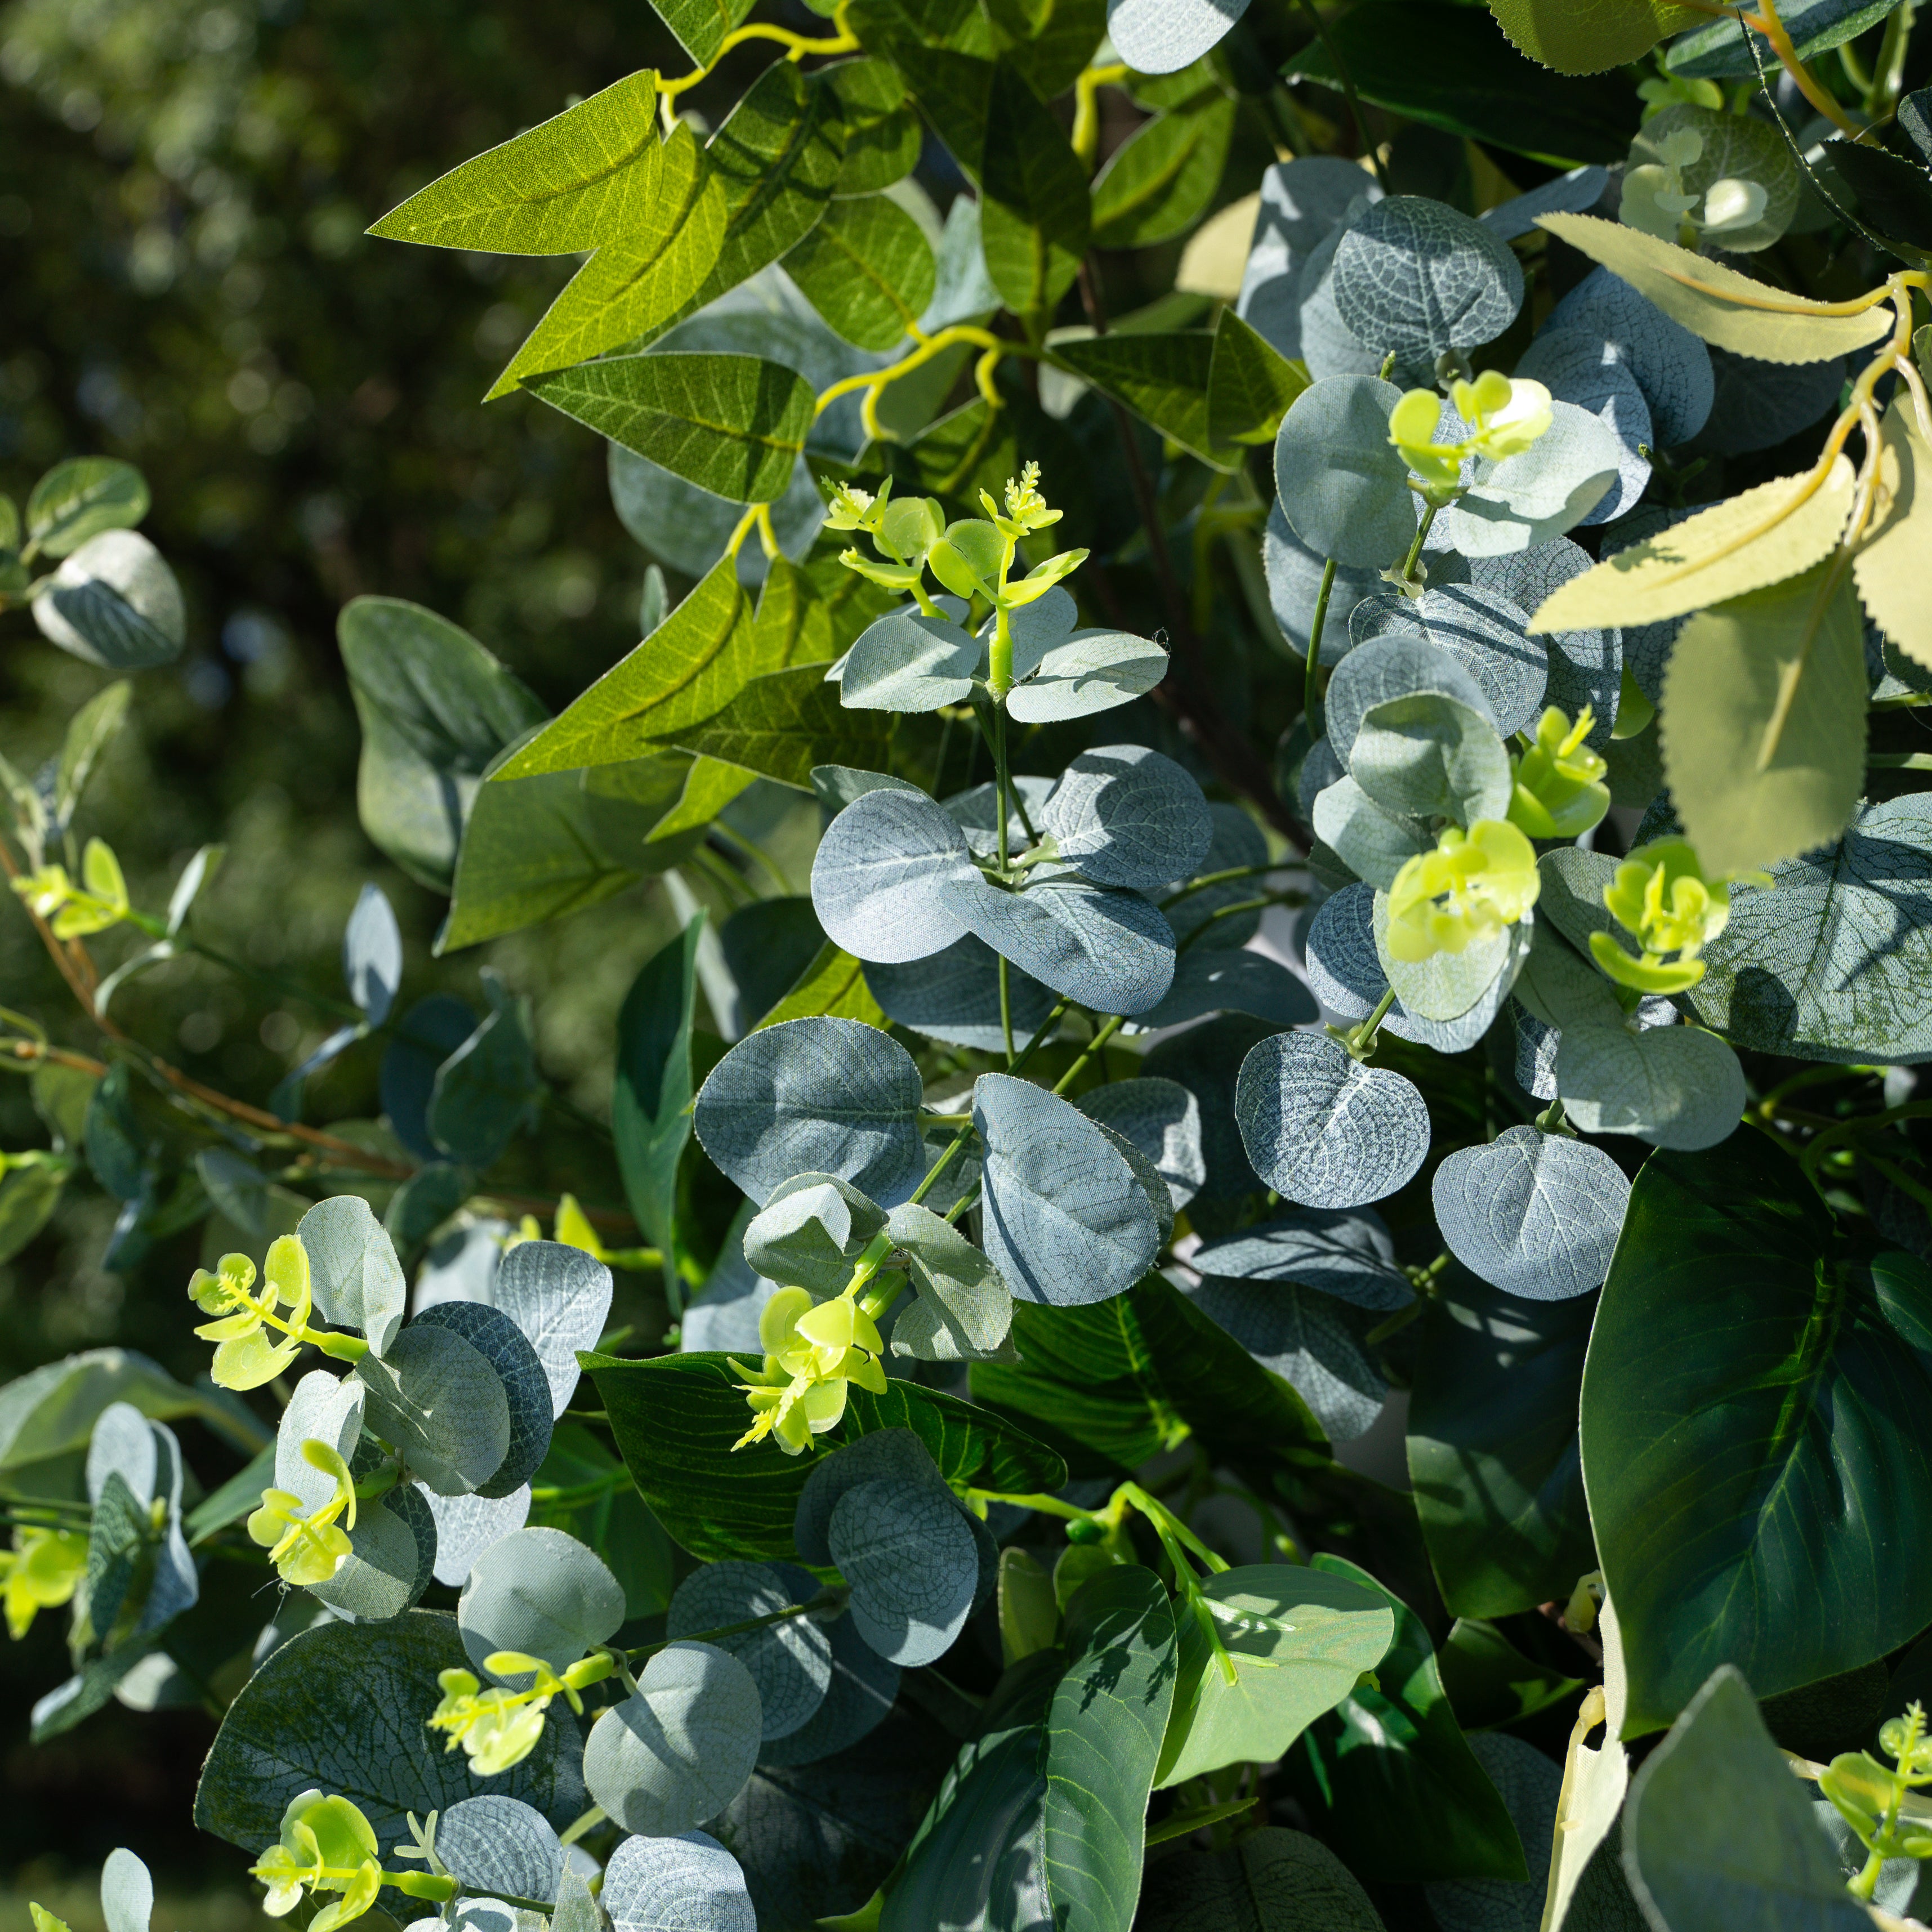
636	282
1760	538
834	984
1725	308
701	25
581	178
868	270
1763	721
1587	36
1894	566
1250	384
1159	182
708	787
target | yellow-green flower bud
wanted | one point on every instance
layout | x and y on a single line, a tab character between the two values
306	1546
247	1354
1504	414
326	1845
813	1352
1559	791
1659	894
42	1571
1473	884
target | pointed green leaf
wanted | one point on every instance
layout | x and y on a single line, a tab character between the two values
867	268
1586	40
701	25
650	1102
1160	180
1036	215
1163	379
79	499
1251	386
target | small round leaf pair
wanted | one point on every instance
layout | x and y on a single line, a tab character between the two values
790	1662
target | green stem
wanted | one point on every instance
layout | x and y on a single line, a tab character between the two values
756	853
1006	1009
965	1133
1362	1039
826	1600
1415	549
1087	1052
1208	879
1311	697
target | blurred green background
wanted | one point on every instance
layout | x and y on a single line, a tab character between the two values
184	185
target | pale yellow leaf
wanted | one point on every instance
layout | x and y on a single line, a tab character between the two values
1587	36
1747	317
1763	721
1743	545
1894	565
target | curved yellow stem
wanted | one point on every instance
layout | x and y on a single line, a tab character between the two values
796	46
1087	109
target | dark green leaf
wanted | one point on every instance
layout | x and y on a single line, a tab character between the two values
701	25
1752	1416
1389	1778
882	130
1036	215
1471	81
30	1191
1125	1378
1103	1734
1159	181
1720	49
79	499
485	1090
650	1101
339	1706
1490	1682
734	425
1493	1446
1894	196
1049	41
677	1417
1272	1881
1163	379
1250	385
435	708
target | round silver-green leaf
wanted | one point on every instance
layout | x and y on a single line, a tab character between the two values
954	996
541	1592
1485	633
1109	949
906	662
507	1349
1312	1342
495	1844
1420	278
1428	756
879	876
1674	1086
906	1550
1126	816
679	1750
1090	672
1342	484
688	1883
790	1662
438	1400
559	1296
1534	1214
1348	1254
1163	1119
353	1272
880	1453
1324	1130
1392	665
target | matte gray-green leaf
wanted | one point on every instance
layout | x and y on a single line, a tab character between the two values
1110	950
687	1882
813	1096
790	1662
1719	1834
681	1748
1534	1214
880	877
496	1845
953	995
1091	672
1674	1086
127	1892
904	661
1517	502
1373	844
1482	630
1164	36
1127	816
1341	483
1428	756
438	1400
114	603
1419	277
1323	1129
1316	1345
964	1308
1207	979
357	1280
895	1454
1163	1119
810	1231
1349	1254
1066	1221
542	1592
526	1386
392	1557
559	1296
1446	985
863	1688
907	1552
1384	669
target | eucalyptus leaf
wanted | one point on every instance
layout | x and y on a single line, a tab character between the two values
813	1096
1109	949
1672	366
687	1881
1374	843
886	876
1163	1119
1573	366
790	1662
114	602
905	1548
1126	816
903	661
964	1307
810	1231
465	1526
1419	277
1675	1086
526	1384
1514	502
1341	484
1535	1214
1065	1220
953	995
859	1699
1209	980
1164	36
1315	1346
1428	756
1091	672
680	1747
497	1844
540	1592
559	1296
439	1400
1384	669
1347	1253
353	1272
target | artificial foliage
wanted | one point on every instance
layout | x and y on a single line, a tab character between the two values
1370	883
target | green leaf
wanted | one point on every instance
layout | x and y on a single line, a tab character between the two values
691	666
1389	1776
1163	379
614	1522
735	425
1036	215
1304	1639
701	25
79	499
1250	385
435	709
333	1707
1048	40
1160	180
833	985
1103	1734
640	280
1835	963
1719	51
587	175
1751	1414
1273	1880
1747	317
114	603
1493	1446
867	269
1888	566
1719	1835
1763	721
650	1100
675	1418
438	1398
30	1191
1490	1682
1125	1378
882	130
1763	536
1581	39
779	156
487	1089
1472	83
782	724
